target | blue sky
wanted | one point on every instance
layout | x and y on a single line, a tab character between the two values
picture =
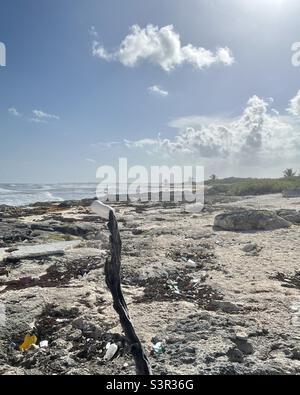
63	110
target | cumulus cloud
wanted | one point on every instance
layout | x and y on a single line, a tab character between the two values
162	47
13	111
157	90
100	52
43	115
294	107
258	135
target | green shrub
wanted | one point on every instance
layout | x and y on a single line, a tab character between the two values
251	186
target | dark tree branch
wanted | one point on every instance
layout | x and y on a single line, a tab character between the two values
112	277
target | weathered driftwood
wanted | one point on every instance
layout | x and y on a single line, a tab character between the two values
112	277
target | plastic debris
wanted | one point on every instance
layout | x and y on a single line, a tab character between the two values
191	264
101	209
111	349
29	341
44	344
173	285
158	348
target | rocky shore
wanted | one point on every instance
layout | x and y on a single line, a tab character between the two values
215	292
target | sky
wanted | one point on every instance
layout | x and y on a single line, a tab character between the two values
203	82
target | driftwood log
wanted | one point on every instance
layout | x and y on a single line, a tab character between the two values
113	281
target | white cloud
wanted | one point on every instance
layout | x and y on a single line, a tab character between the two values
43	115
258	136
158	91
14	111
294	107
100	52
93	32
162	47
142	143
37	120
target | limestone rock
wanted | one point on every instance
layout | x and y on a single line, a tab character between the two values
248	220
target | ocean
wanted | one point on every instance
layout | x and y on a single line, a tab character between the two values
22	194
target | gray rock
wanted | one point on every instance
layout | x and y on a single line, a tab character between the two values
251	247
227	307
296	353
38	251
188	360
13	232
244	346
137	231
235	355
248	220
292	216
74	229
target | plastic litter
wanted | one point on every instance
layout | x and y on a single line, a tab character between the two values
101	209
191	264
44	344
111	350
158	348
173	285
29	341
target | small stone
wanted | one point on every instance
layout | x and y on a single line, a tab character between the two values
137	231
241	336
227	307
250	247
190	350
296	354
188	360
235	355
244	346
